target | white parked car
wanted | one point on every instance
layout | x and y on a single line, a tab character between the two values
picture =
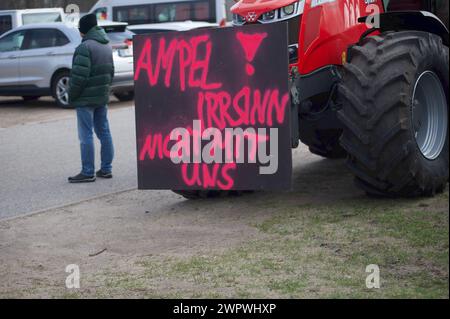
35	60
11	19
170	26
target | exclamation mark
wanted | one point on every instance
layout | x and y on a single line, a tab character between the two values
250	43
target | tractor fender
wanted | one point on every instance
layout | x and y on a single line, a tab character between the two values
409	20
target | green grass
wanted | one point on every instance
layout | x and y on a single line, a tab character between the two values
318	251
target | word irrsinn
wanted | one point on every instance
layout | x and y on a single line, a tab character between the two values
246	108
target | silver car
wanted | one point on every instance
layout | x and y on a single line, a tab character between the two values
35	61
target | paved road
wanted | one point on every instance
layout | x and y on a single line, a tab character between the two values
39	150
36	158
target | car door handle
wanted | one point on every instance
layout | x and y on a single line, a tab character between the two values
12	57
51	53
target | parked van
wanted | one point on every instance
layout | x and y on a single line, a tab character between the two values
11	19
156	11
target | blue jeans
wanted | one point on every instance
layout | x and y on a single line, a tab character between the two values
96	118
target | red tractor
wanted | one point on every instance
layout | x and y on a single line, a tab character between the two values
369	80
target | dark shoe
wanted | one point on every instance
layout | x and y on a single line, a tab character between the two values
102	174
80	178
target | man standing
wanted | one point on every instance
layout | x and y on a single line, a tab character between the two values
89	89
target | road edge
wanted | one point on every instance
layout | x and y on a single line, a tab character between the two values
53	208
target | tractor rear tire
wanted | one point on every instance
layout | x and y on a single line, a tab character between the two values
379	114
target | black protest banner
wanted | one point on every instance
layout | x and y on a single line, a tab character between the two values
212	109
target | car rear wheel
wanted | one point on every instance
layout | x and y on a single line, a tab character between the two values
125	96
60	89
30	98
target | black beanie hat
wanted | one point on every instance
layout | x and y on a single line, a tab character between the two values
87	23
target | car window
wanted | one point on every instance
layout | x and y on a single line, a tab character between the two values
168	11
172	12
133	15
44	38
101	13
148	31
44	17
201	11
12	42
5	23
120	37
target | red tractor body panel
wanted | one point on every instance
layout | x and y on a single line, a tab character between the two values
327	27
328	30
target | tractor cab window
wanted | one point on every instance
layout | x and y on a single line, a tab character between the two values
404	5
437	7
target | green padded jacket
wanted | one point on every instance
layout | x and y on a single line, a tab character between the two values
92	71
